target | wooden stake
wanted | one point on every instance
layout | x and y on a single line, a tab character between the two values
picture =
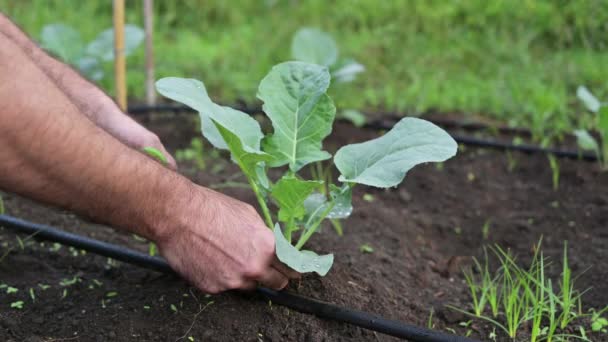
149	34
120	66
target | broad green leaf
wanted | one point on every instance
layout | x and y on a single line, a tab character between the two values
347	71
103	45
243	149
224	127
590	101
301	261
156	154
314	46
301	113
90	67
383	162
585	141
356	117
193	94
341	199
289	193
63	41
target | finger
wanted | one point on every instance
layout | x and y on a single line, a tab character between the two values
273	279
249	285
286	271
170	160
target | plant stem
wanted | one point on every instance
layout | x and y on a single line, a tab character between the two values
291	224
262	203
313	228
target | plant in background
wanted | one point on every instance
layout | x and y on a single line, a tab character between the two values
525	297
193	153
302	115
600	123
65	42
312	45
1	206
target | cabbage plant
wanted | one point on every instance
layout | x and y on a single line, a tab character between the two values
65	42
315	46
585	140
295	100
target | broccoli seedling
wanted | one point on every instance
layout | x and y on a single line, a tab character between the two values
302	115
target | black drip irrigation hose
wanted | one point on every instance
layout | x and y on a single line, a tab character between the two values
386	124
293	301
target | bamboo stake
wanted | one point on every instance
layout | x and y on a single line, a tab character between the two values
119	54
149	31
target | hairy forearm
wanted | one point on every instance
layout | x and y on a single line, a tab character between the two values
85	95
51	152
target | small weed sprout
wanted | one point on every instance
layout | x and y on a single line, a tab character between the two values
302	115
512	297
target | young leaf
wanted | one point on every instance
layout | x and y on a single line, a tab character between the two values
585	141
301	261
347	71
383	162
356	117
242	138
316	203
90	67
301	113
314	46
156	154
590	101
63	41
193	94
289	193
103	45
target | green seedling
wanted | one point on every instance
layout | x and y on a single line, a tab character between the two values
485	229
10	290
312	45
302	115
368	198
17	305
194	153
525	297
65	42
1	206
156	154
599	323
554	164
366	248
600	123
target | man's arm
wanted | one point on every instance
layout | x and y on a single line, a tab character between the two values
89	99
49	151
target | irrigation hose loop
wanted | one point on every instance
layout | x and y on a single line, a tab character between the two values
293	301
386	124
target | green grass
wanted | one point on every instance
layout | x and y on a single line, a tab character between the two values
515	299
516	61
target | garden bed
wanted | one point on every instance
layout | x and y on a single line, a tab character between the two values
422	233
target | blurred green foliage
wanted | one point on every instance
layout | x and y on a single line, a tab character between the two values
518	61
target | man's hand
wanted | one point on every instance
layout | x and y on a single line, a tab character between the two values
223	244
51	152
128	131
89	99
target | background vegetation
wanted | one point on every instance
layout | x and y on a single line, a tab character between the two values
517	61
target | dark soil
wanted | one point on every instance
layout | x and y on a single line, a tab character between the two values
422	232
